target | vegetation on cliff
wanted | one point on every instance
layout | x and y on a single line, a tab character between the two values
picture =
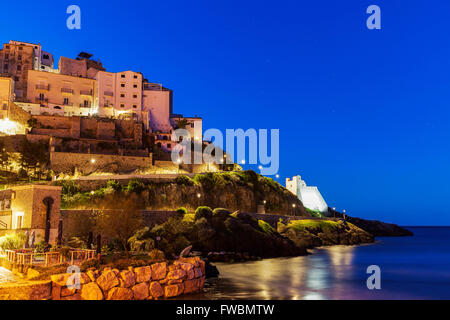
237	190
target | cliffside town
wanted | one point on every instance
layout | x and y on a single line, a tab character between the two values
91	120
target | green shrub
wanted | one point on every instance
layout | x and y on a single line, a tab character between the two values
136	186
115	185
221	213
69	187
12	241
181	212
267	228
203	212
184	180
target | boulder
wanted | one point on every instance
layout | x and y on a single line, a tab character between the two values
191	286
143	274
198	272
156	291
76	296
107	280
118	293
127	279
140	291
32	273
92	275
159	270
91	291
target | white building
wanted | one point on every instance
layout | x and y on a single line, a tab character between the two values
308	195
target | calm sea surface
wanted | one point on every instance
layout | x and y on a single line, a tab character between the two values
415	267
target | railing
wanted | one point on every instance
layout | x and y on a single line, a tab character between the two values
3	225
82	105
28	257
43	87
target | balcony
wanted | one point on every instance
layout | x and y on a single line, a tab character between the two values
109	93
43	87
66	90
83	105
86	92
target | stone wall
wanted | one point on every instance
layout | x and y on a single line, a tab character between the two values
157	281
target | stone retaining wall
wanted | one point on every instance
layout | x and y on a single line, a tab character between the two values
153	282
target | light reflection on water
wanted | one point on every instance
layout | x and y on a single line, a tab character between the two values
412	268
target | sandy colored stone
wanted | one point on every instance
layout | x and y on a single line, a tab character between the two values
92	275
32	273
107	280
60	279
118	293
173	290
159	270
143	274
184	265
140	291
176	274
191	274
127	279
91	291
156	290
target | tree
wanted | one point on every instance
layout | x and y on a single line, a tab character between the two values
120	222
33	156
4	156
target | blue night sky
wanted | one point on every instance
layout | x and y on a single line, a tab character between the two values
363	114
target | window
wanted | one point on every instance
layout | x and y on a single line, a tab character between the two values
135	76
122	85
66	101
122	105
134	85
46	56
6	56
122	76
134	106
20	48
41	96
19	57
19	220
5	67
122	95
5	106
169	145
86	103
135	96
19	68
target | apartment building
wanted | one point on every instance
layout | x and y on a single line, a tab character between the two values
15	61
60	94
120	94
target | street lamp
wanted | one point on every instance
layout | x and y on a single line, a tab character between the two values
343	212
334	212
92	160
260	167
277	176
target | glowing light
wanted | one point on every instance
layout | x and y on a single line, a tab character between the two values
92	160
198	195
264	201
293	205
243	161
277	176
179	160
260	167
